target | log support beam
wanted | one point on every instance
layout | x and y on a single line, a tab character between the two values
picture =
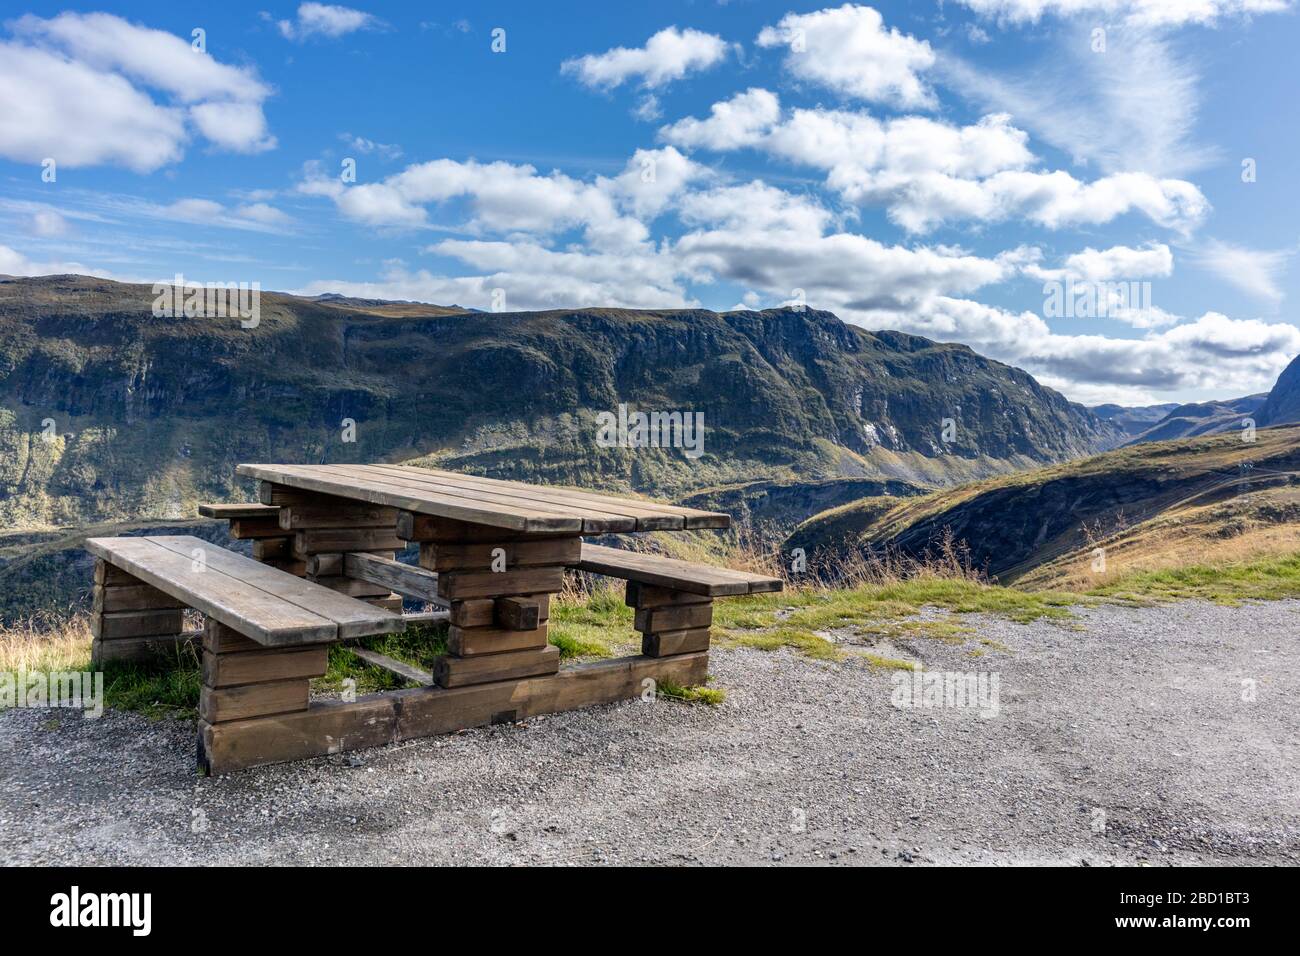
332	726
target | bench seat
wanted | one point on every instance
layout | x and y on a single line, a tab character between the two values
269	606
672	573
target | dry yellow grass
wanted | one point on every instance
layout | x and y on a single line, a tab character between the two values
1241	530
46	645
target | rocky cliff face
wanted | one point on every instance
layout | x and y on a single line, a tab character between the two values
1282	406
108	413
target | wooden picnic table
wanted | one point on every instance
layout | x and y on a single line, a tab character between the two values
509	505
492	554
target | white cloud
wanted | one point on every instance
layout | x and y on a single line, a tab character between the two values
744	120
256	217
667	56
1140	12
1254	271
928	173
327	20
68	92
1132	108
367	146
14	263
48	224
1118	263
848	50
508	198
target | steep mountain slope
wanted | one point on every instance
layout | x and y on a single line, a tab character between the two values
108	413
1202	418
1283	403
1162	500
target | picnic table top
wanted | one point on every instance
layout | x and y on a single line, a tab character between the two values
514	505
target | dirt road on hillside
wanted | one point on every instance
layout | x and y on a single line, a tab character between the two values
1169	735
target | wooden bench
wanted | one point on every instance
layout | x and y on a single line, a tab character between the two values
673	598
266	633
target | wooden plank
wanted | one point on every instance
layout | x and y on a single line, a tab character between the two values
137	623
646	595
245	528
454	585
271	607
480	612
288	566
426	617
267	618
219	639
596	518
320	478
681	618
519	613
402	578
480	556
264	665
233	511
164	647
692	517
393	666
353	587
272	549
460	671
472	641
391	603
131	597
668	643
352	515
316	540
335	726
253	700
109	575
352	618
282	495
672	573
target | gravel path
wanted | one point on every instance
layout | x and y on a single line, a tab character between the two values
1121	739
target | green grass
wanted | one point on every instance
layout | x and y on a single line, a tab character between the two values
712	696
166	687
1268	579
800	619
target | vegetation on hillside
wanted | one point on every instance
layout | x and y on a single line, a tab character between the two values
1145	506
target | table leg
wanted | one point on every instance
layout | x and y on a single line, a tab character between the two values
498	586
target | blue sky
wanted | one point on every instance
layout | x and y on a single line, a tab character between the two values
927	167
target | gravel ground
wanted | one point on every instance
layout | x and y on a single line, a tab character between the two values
1122	739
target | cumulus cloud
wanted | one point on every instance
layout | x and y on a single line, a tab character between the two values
667	56
848	50
744	120
927	173
1118	263
74	88
326	20
509	198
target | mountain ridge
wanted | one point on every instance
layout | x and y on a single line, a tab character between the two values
108	413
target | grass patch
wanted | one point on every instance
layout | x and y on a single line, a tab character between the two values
419	645
1268	579
800	618
166	687
712	696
